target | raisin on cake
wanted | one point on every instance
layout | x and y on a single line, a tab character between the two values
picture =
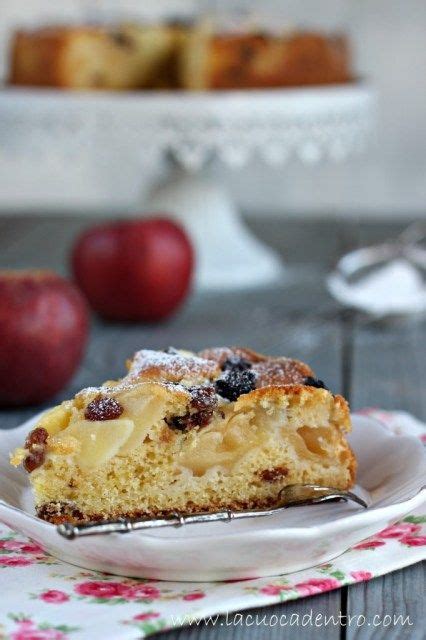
223	429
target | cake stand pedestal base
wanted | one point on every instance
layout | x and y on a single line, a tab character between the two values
228	255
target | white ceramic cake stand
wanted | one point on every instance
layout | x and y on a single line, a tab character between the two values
192	129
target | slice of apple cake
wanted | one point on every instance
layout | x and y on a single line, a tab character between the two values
183	432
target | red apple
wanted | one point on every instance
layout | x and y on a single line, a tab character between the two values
43	331
134	269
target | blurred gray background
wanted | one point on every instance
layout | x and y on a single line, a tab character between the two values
389	42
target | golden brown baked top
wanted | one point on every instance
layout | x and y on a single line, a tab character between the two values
186	368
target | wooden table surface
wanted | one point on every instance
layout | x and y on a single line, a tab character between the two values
372	365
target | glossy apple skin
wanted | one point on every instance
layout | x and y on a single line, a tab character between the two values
134	270
43	332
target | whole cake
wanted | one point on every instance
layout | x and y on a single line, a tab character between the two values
176	56
227	428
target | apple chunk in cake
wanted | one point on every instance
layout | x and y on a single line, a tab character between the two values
225	428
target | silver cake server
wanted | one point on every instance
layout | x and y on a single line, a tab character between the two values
296	495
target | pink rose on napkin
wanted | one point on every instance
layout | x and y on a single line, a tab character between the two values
37	634
15	561
141	617
25	547
398	530
32	547
28	631
413	541
317	585
100	589
368	544
142	591
11	545
274	589
196	595
54	596
359	576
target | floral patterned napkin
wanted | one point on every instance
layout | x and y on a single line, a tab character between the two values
45	599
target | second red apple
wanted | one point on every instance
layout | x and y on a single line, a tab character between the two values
134	269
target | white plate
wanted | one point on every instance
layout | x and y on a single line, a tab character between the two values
391	476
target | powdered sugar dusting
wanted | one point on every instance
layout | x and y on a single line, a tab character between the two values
171	367
181	371
280	371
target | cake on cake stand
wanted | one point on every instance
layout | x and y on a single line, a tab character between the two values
190	130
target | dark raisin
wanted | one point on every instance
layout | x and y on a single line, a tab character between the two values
36	445
190	420
36	437
271	475
203	397
315	382
103	409
233	383
236	362
171	351
201	408
202	418
180	423
34	460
